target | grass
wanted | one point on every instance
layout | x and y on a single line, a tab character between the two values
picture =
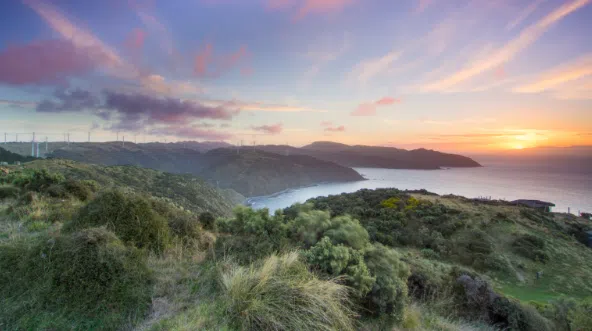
281	294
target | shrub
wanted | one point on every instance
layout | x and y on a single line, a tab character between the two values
8	192
82	190
389	292
281	294
36	180
531	247
311	226
207	220
130	216
85	280
338	260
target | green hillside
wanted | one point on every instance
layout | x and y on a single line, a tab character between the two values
87	247
10	157
249	172
186	191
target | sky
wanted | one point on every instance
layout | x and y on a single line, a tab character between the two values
451	75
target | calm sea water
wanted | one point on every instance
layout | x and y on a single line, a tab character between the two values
499	180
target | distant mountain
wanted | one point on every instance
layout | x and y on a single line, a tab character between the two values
10	157
249	172
376	156
202	146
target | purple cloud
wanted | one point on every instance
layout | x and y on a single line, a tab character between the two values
69	100
270	129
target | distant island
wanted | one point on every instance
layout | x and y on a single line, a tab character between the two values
360	156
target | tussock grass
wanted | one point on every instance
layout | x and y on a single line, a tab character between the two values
85	280
281	294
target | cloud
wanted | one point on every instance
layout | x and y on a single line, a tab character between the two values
524	14
326	123
262	106
303	8
134	111
340	128
270	129
206	64
387	101
47	61
369	109
506	53
369	69
189	132
82	39
365	109
136	39
203	60
555	78
68	101
422	5
329	54
18	103
150	110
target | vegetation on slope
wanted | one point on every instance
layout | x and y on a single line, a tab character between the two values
186	191
371	260
10	157
249	172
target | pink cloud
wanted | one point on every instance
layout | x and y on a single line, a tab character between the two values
203	59
365	109
136	39
369	109
387	101
47	61
340	128
306	7
270	129
207	64
326	123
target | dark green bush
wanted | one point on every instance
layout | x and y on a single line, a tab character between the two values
207	220
128	215
8	192
531	247
337	260
82	190
84	280
389	292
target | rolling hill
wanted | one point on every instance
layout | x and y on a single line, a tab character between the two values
247	171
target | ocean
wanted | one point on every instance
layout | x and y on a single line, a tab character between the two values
566	186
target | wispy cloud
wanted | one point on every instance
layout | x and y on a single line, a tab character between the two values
18	103
524	14
324	57
326	123
509	50
302	8
270	129
555	80
367	70
262	106
208	64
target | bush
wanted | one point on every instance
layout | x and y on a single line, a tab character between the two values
82	190
8	192
85	280
35	180
311	226
207	220
389	292
338	260
130	216
281	294
530	247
